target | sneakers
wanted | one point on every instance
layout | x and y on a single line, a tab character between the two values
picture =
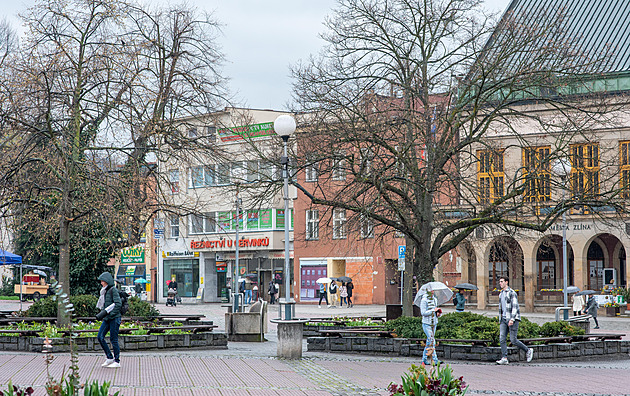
530	355
107	362
114	365
596	327
319	306
503	361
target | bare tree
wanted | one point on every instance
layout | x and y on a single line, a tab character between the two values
92	97
400	104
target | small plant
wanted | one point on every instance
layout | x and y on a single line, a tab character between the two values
436	381
13	390
96	389
611	305
141	309
555	329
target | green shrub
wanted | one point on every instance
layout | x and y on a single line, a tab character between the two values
555	329
449	324
141	309
486	329
7	286
528	329
406	327
84	306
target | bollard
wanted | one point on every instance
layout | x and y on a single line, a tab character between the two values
290	338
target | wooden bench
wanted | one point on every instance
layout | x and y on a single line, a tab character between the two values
546	340
462	341
66	333
192	328
598	337
22	333
341	333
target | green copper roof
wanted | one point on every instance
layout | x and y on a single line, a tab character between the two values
592	27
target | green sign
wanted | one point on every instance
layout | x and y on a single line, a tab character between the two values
265	219
132	255
224	220
280	218
246	132
253	217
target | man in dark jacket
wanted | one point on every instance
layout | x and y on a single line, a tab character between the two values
109	303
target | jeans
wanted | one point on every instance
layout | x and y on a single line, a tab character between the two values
503	330
248	297
343	300
428	330
111	326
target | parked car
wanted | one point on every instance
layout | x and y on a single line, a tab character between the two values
130	290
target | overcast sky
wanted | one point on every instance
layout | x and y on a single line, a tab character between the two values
261	38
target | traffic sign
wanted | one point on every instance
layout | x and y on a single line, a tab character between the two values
401	251
401	263
158	233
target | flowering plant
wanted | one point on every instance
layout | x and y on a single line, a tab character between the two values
551	290
611	305
438	380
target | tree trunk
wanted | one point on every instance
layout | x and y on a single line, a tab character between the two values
63	318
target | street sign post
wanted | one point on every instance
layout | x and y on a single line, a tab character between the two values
158	233
402	249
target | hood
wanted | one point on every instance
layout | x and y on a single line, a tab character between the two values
107	277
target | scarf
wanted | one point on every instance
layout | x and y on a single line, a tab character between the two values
101	299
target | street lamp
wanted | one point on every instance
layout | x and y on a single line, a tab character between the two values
562	168
284	126
236	303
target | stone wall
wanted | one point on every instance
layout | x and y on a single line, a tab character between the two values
127	342
405	347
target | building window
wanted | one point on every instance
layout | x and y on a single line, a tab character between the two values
624	162
339	167
490	176
367	156
173	178
367	227
537	174
311	172
585	170
339	224
174	226
202	224
312	224
222	174
202	176
211	133
192	133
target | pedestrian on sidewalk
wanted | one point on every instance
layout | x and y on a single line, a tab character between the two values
509	318
591	308
343	293
428	310
323	294
350	287
272	292
578	304
333	294
109	303
459	301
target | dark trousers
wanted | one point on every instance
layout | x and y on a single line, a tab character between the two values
111	326
272	298
323	295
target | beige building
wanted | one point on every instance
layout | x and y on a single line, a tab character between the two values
198	248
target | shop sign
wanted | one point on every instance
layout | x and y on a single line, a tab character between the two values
228	243
179	253
571	227
246	132
130	270
132	255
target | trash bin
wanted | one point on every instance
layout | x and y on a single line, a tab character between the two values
393	311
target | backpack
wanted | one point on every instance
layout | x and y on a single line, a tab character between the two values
124	304
333	288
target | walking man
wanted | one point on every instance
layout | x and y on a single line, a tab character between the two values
509	318
109	303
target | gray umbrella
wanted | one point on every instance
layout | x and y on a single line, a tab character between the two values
466	286
585	292
572	289
344	279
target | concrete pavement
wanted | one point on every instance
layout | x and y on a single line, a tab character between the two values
252	369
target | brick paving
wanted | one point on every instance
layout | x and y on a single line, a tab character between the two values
253	369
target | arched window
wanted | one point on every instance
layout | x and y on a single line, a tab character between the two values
595	259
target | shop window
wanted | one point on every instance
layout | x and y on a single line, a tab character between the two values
186	273
489	176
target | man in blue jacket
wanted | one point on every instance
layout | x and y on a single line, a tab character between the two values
109	303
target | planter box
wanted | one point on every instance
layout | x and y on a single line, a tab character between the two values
612	311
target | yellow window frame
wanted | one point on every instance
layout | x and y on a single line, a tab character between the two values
624	169
490	176
537	172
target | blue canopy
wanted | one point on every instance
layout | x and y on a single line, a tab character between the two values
7	258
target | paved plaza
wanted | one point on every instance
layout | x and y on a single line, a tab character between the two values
253	369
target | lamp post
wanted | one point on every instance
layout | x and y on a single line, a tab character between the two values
236	295
562	167
284	126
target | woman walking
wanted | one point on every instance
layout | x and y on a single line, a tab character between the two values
350	288
429	309
343	293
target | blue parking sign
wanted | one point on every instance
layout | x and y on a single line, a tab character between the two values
401	251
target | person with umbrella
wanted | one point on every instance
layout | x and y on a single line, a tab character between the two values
343	293
459	300
591	306
509	318
576	299
323	293
429	310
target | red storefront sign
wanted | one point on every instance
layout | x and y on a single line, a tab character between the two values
218	243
